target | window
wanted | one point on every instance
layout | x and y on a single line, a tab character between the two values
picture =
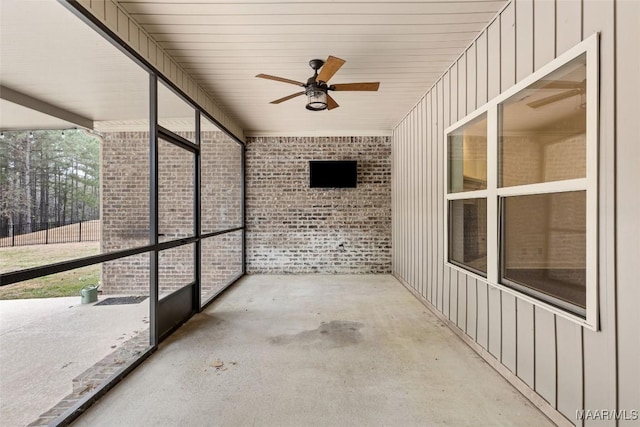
543	243
543	129
522	188
468	234
467	178
468	156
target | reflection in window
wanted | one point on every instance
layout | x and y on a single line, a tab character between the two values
175	269
221	159
221	261
176	193
543	129
468	156
468	234
175	114
544	245
125	190
78	344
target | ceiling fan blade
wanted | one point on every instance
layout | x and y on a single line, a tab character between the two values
553	98
330	67
331	103
558	84
280	79
286	98
370	86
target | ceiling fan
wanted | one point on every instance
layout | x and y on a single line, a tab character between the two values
316	88
573	88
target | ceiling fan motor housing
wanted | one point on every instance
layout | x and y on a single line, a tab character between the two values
316	64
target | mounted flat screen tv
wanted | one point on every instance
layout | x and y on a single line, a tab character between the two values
333	173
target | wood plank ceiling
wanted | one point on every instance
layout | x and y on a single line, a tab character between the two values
404	45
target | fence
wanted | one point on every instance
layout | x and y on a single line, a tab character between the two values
49	232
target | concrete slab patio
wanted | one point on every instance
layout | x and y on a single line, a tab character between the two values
46	343
314	351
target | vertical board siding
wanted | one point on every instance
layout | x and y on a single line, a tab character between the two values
570	367
462	86
134	36
405	199
472	307
482	316
568	28
446	291
495	322
434	196
394	198
440	190
446	102
110	15
412	199
453	296
628	209
429	194
507	47
423	183
525	342
418	189
524	38
545	355
472	74
544	44
481	70
407	178
509	329
122	28
425	174
408	200
462	300
600	389
493	59
453	93
401	200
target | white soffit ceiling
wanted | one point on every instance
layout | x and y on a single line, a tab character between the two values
18	117
52	59
405	46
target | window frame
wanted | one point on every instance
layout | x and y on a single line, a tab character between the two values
495	194
461	265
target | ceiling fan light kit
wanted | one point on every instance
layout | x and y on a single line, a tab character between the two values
317	99
316	92
316	88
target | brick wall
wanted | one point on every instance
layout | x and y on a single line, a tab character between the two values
292	228
125	211
221	159
125	190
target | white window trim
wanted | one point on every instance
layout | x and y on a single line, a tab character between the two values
590	46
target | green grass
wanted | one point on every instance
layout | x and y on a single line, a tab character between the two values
63	284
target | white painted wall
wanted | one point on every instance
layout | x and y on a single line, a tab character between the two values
561	366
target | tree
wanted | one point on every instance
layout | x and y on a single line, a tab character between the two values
48	176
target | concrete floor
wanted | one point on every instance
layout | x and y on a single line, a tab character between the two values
45	343
314	350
